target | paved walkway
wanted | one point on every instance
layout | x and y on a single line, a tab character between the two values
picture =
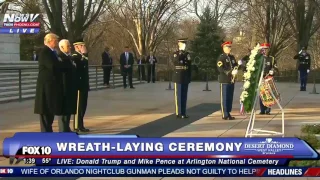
117	110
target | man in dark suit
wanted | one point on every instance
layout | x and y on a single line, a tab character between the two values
35	56
141	70
151	60
107	62
69	87
80	57
126	66
49	90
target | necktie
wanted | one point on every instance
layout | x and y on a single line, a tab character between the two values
127	59
55	52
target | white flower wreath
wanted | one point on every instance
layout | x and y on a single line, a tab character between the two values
250	69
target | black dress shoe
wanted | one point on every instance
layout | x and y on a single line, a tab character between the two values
184	116
229	118
262	113
82	130
132	87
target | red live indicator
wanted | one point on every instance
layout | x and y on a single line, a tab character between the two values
26	24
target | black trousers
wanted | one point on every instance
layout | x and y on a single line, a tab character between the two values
141	72
83	100
124	78
106	75
64	123
151	72
264	109
181	97
226	98
46	121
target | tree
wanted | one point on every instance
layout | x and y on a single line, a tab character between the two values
31	42
207	44
70	18
147	22
269	18
302	19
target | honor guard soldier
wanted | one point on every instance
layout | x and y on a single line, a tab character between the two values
80	58
304	67
269	68
228	69
181	78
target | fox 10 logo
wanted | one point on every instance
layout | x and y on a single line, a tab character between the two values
20	24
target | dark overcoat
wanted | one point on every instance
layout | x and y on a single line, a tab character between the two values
69	78
123	62
49	89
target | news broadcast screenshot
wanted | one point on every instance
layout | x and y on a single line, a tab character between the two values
159	90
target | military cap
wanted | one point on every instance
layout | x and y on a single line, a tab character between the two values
226	43
79	42
265	45
183	40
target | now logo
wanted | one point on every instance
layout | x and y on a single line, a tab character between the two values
13	18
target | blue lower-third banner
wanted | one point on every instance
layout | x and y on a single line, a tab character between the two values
118	171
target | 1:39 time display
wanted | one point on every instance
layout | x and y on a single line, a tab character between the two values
29	160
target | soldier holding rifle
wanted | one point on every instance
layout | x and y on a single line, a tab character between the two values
269	68
80	58
304	67
228	68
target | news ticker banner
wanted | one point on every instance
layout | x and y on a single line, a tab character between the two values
73	149
146	171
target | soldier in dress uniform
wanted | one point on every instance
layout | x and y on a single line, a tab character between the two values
181	78
228	69
304	67
270	67
80	58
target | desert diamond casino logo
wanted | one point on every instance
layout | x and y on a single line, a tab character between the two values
20	24
269	146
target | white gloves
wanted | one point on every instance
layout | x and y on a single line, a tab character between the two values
240	62
308	70
234	72
271	72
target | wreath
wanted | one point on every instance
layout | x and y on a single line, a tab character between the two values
251	79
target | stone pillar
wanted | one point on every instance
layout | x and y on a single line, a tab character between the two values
9	45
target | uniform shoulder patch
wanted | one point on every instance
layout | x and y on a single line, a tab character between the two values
220	63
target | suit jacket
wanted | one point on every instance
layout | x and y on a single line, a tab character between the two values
154	62
143	61
49	90
123	62
106	60
70	93
37	57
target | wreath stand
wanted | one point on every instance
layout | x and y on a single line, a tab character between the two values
251	131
